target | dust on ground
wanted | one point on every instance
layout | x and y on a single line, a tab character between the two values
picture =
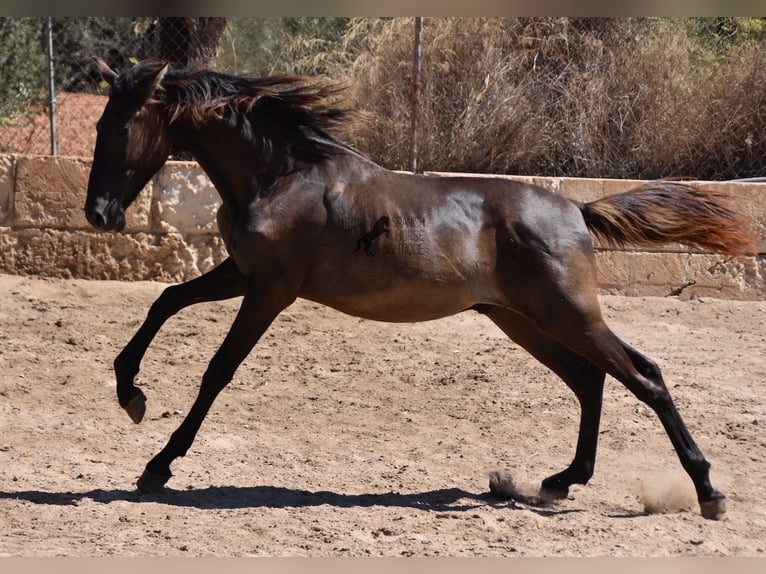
343	437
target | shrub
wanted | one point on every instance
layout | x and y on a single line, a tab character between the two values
597	97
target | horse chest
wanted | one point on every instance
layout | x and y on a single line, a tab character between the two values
257	240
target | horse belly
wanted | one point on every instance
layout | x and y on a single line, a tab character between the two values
398	306
401	287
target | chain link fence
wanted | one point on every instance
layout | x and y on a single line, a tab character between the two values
52	96
581	97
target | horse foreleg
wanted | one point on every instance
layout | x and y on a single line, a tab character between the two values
223	282
587	382
256	313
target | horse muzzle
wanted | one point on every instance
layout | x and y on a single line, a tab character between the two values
106	216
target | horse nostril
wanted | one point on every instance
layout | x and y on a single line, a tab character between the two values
96	219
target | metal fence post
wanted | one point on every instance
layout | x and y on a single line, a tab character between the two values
416	93
51	83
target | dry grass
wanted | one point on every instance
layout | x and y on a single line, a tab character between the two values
561	96
581	97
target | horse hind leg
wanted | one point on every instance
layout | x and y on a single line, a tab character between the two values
650	388
557	293
585	380
642	377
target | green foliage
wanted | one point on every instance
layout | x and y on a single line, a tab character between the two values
77	40
722	36
22	66
264	46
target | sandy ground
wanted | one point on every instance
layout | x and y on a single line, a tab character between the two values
340	437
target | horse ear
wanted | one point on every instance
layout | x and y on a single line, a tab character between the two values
107	74
148	77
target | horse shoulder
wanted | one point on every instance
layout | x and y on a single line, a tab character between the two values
225	220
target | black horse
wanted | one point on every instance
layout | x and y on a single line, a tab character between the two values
295	202
382	227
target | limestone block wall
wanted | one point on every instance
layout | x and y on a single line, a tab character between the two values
171	233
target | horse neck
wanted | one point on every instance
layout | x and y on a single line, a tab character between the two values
230	156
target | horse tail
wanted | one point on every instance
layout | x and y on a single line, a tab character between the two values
667	212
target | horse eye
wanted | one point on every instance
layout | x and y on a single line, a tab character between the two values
122	131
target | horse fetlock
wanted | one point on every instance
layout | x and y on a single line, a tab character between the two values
125	366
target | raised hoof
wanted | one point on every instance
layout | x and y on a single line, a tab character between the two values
713	509
151	481
136	407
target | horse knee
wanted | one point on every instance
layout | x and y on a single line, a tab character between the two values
216	377
167	303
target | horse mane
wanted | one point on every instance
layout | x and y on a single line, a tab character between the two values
306	111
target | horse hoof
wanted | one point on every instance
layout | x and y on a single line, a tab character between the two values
553	488
713	509
136	407
151	481
548	493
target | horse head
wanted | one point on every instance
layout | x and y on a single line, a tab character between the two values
132	142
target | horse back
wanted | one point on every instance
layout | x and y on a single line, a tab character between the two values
419	247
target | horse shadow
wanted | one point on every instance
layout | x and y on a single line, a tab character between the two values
239	497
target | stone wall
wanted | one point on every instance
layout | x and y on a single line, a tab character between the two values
171	234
